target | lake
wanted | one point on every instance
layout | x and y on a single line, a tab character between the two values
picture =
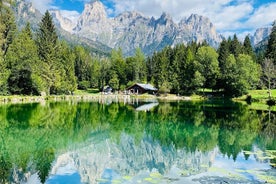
136	142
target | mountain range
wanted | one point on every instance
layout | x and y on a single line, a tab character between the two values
128	30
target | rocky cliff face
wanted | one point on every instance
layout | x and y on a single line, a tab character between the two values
25	12
130	30
103	160
260	35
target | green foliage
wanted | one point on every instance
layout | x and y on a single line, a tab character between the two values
114	81
240	75
136	67
52	66
191	127
23	62
235	46
67	61
208	65
118	68
268	78
7	28
248	49
271	51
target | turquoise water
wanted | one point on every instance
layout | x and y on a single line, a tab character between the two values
136	142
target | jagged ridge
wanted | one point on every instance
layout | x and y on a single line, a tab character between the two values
130	30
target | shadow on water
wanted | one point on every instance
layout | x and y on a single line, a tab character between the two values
32	135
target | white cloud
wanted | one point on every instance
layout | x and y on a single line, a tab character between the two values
227	15
72	15
42	5
263	16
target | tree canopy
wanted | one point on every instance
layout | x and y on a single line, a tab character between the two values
42	63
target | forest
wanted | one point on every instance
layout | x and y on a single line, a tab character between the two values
40	63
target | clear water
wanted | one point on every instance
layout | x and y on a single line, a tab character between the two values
137	142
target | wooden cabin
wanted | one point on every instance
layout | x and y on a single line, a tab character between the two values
141	89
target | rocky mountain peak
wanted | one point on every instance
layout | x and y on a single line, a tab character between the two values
94	12
63	22
260	35
131	30
165	18
198	19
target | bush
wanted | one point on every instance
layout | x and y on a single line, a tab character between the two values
248	99
83	85
271	102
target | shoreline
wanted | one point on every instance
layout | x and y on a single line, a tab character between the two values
87	97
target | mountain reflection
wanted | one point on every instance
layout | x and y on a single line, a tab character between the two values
114	140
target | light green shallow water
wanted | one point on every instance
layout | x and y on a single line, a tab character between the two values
140	142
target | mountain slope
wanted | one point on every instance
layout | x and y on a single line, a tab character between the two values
25	12
130	30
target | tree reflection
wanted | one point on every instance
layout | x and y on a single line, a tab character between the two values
32	134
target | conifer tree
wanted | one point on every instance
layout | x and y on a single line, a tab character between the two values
235	46
48	51
247	48
7	27
24	64
67	70
7	32
271	47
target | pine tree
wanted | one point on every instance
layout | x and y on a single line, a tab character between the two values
7	32
247	48
24	64
47	39
235	46
67	70
7	28
48	48
271	47
118	66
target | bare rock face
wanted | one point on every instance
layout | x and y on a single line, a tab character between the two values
260	35
63	22
104	159
198	28
131	30
26	12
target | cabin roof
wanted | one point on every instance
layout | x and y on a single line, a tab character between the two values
148	87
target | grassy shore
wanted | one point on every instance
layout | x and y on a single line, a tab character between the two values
93	95
258	99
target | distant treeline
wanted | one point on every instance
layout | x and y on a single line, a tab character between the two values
41	63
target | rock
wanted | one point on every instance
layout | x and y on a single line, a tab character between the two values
131	30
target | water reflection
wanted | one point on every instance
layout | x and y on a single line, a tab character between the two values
112	142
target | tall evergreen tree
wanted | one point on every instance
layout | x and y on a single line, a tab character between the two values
83	62
271	47
7	27
235	46
118	67
140	69
223	54
67	70
247	48
7	32
47	39
24	64
48	51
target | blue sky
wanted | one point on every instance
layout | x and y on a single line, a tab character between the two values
228	16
